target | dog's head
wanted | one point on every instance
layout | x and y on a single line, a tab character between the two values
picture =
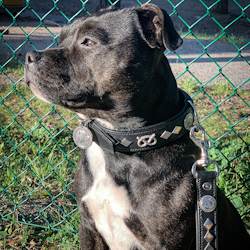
105	62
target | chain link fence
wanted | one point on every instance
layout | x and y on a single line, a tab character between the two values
37	154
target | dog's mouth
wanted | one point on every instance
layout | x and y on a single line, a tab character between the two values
72	101
77	102
38	94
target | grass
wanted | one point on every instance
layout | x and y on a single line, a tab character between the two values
17	236
13	66
39	158
204	36
37	164
223	110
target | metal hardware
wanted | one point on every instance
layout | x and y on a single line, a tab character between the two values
82	137
188	121
209	247
84	122
176	130
208	224
195	115
146	140
204	161
208	237
202	144
165	135
207	186
206	191
207	203
125	142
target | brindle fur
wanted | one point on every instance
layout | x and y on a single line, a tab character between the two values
125	80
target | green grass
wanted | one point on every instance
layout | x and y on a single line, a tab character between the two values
204	36
223	110
38	160
37	165
17	235
14	66
234	179
15	69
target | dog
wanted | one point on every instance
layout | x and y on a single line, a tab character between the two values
133	194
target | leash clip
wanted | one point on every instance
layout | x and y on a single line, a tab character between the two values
202	144
84	122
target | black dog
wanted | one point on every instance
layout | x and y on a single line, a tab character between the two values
136	191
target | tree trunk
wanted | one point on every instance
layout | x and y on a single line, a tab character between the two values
103	4
222	7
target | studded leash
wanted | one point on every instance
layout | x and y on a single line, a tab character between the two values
206	198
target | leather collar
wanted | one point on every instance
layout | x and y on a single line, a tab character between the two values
145	138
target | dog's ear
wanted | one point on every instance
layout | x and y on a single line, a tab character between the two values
158	28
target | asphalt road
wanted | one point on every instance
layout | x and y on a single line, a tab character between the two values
216	60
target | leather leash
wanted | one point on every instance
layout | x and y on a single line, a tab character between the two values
206	198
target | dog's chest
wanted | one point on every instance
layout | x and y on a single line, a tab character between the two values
108	204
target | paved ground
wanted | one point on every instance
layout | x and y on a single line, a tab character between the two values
204	68
237	71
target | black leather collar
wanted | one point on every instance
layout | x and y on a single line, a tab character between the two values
146	138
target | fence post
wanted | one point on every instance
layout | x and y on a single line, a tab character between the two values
222	7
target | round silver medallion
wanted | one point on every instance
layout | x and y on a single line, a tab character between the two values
82	137
208	203
188	121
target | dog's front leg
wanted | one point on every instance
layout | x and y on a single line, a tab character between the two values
91	240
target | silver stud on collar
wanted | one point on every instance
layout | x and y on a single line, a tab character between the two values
146	140
208	236
165	135
176	130
188	121
126	142
206	186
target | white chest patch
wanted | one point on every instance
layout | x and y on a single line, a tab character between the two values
108	204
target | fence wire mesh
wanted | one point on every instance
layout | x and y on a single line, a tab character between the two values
37	154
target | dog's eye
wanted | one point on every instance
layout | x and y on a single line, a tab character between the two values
88	42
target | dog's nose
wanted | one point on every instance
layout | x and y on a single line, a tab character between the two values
32	56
